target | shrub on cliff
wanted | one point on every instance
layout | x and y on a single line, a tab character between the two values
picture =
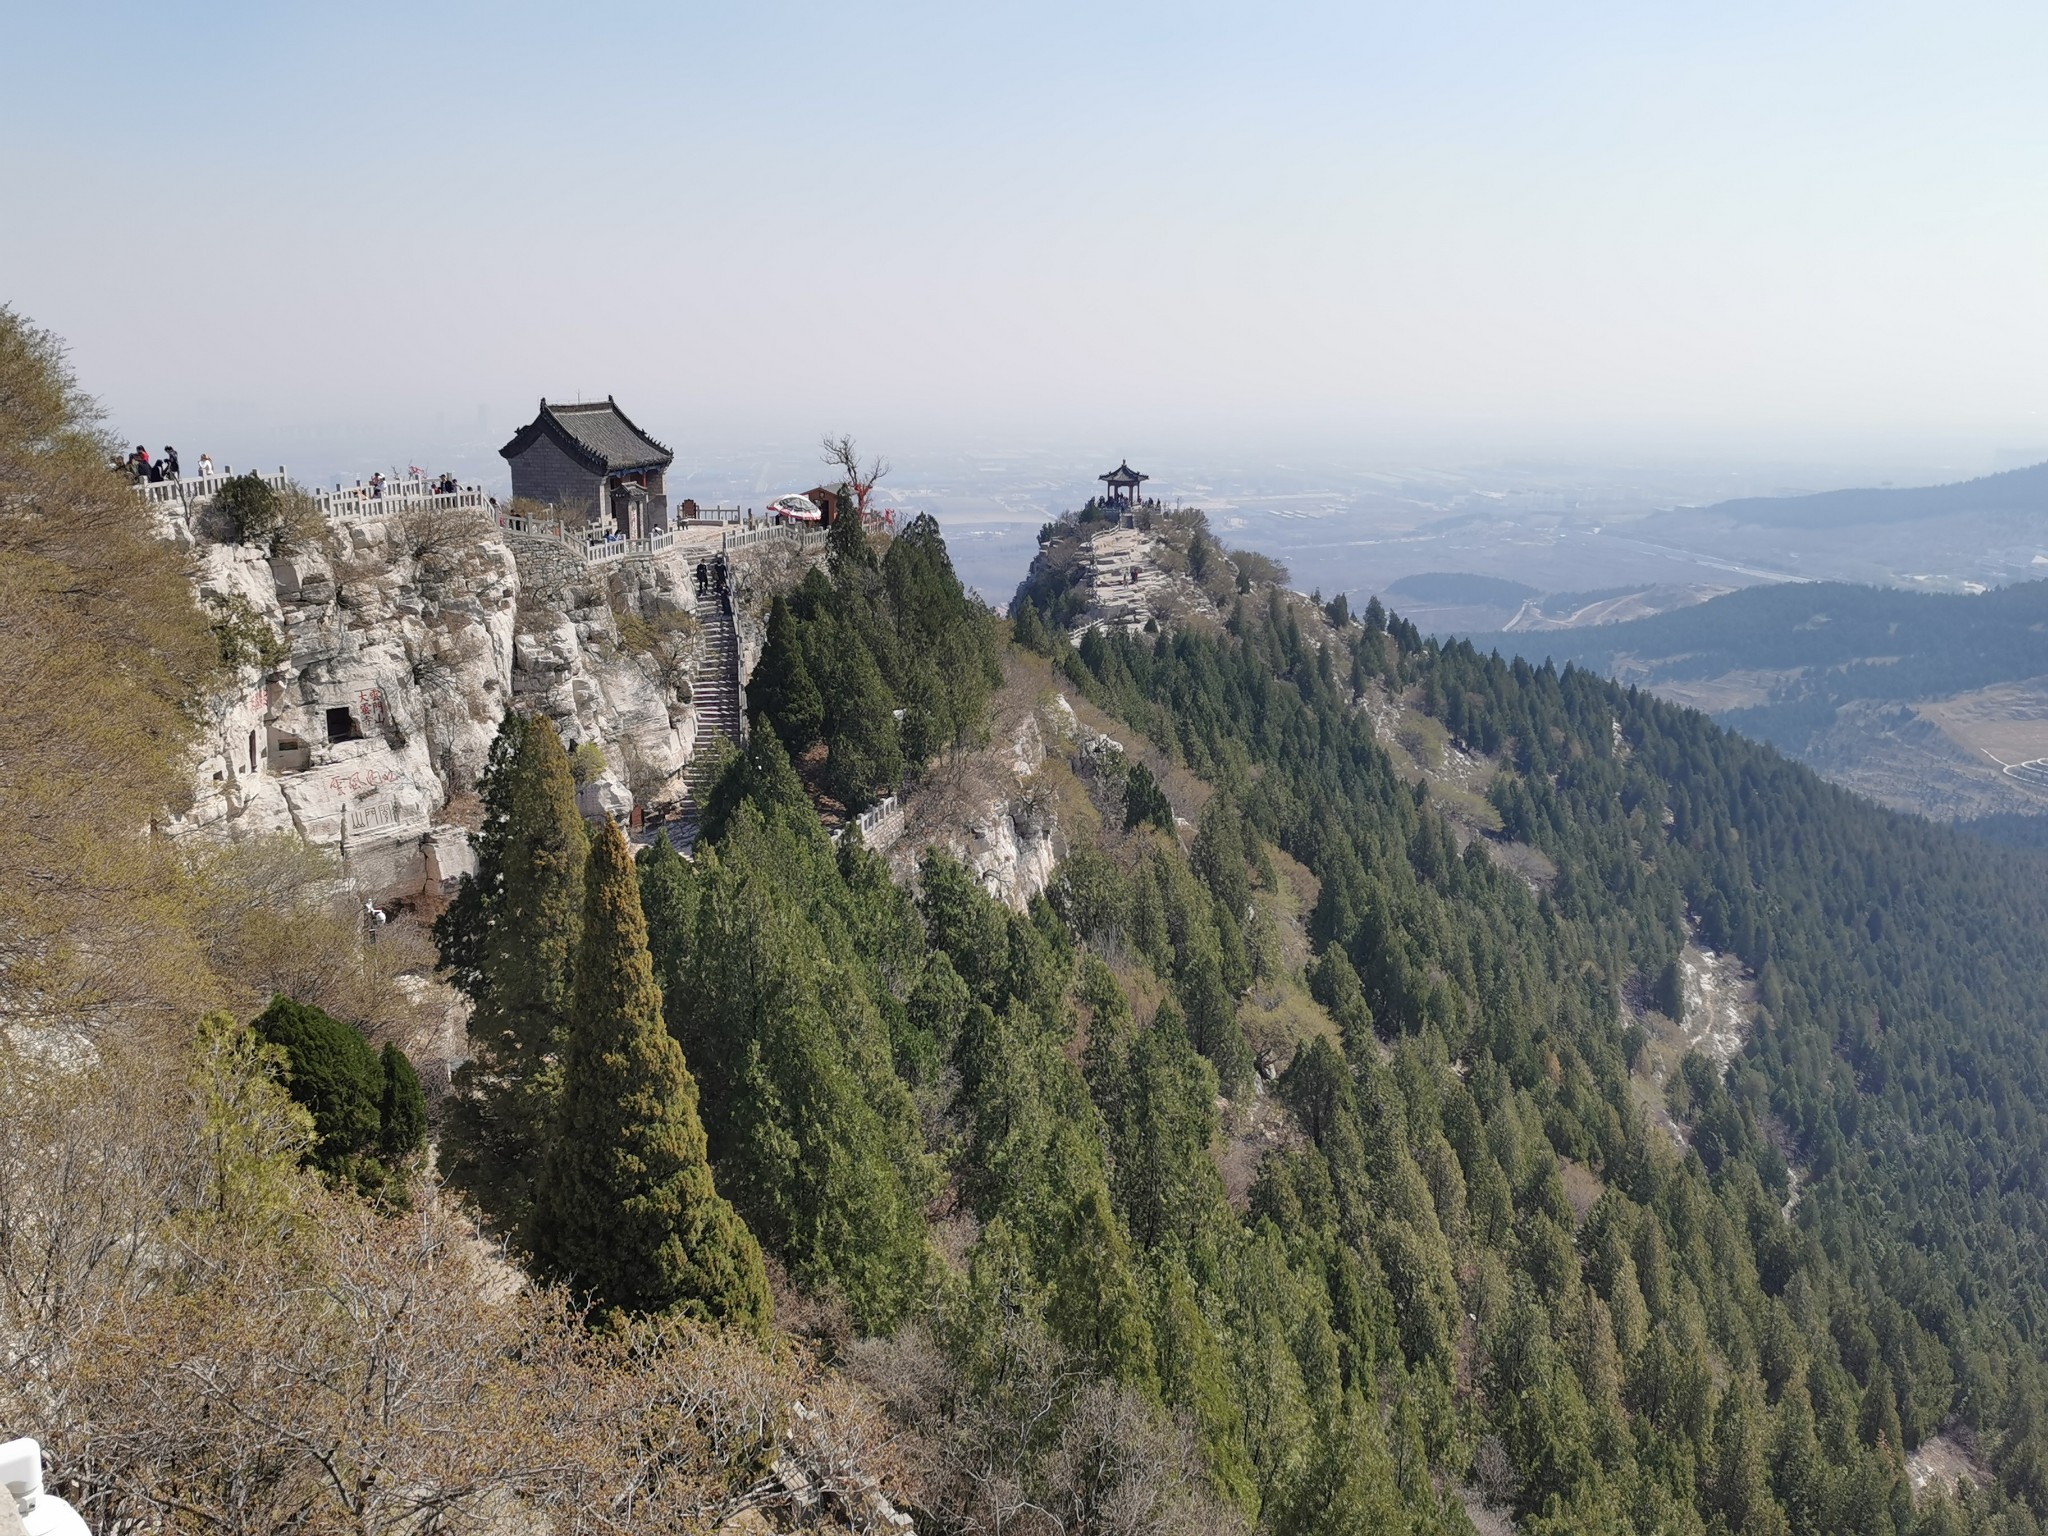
369	1114
249	510
245	510
331	1070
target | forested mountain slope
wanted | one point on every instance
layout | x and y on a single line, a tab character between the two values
1916	699
1900	967
1283	1168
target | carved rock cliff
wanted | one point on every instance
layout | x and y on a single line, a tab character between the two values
378	660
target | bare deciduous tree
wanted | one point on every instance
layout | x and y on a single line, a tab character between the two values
841	454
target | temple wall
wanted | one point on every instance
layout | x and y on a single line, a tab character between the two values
546	473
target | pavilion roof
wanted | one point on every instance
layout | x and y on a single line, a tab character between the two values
596	433
1123	474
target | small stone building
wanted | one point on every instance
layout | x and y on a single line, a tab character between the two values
591	459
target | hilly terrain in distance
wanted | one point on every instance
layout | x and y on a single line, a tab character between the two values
1500	574
1962	536
1447	602
1931	702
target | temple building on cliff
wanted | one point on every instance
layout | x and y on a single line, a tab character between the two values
590	459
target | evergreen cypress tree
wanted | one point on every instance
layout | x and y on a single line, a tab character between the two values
1219	857
332	1071
1877	1418
781	687
1212	1019
1095	1307
668	899
1798	1473
511	937
626	1210
965	923
1145	802
932	1017
763	776
864	758
1194	1376
814	1136
1165	1184
368	1112
1334	984
1348	1486
402	1116
846	540
1028	630
1739	1489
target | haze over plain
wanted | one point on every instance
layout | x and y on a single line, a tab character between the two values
1601	258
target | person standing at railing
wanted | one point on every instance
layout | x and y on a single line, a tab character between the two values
377	486
205	465
170	463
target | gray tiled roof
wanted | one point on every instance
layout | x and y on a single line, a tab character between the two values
599	433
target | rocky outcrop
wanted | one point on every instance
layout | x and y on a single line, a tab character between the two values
1012	851
571	664
374	670
376	661
989	810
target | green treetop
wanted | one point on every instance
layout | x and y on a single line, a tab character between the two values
369	1114
781	688
509	940
625	1208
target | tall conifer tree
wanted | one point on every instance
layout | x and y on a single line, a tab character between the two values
814	1135
781	687
509	940
626	1208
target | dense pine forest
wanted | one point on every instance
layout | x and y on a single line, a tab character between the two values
1286	1165
1897	963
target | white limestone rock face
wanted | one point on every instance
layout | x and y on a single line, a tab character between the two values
394	647
1013	853
569	664
392	667
1011	843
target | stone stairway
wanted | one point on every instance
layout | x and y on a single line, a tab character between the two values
715	687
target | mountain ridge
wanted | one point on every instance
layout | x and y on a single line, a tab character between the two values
2012	490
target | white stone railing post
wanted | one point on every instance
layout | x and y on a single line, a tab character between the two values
358	502
197	488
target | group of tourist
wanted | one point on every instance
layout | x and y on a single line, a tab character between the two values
711	576
139	466
444	484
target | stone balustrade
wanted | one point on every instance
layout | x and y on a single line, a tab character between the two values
361	502
760	533
880	824
354	503
348	503
197	488
597	549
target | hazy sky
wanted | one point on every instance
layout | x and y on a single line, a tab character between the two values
1708	230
